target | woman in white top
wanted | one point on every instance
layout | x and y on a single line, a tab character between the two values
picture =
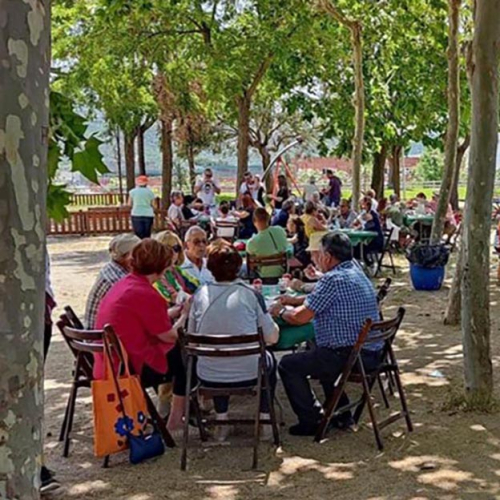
230	307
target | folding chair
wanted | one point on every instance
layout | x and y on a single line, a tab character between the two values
256	263
227	230
224	346
386	250
354	372
84	344
383	291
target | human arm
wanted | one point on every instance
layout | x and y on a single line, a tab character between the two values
288	300
173	334
297	316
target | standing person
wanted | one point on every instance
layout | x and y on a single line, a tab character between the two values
120	251
195	255
310	190
333	192
141	200
261	191
249	186
341	302
282	194
206	189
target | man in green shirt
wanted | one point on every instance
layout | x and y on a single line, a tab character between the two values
268	241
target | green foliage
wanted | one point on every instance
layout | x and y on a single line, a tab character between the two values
68	143
430	166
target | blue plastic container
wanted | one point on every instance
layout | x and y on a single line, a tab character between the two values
424	278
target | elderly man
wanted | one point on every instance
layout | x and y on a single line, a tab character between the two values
339	305
195	253
120	249
346	216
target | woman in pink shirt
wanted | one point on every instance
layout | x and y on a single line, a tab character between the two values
139	317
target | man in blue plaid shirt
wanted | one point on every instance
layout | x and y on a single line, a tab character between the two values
341	302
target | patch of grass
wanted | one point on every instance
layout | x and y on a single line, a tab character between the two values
457	400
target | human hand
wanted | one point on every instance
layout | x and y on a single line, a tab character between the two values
296	285
275	308
310	272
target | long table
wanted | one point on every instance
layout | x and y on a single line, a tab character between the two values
358	236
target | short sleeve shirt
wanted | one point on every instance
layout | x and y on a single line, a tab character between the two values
138	314
142	197
207	192
342	301
175	213
271	241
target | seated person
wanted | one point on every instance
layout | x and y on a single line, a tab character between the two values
120	248
346	216
421	205
175	210
270	240
395	212
175	281
195	252
312	221
245	214
450	224
139	317
373	197
230	307
342	301
369	220
297	230
225	216
281	217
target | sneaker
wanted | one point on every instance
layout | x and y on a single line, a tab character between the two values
48	482
343	422
303	429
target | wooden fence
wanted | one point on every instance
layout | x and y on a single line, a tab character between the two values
112	220
96	199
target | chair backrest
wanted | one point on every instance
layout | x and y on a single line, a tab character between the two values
73	318
80	341
227	229
387	236
224	346
256	263
383	291
385	331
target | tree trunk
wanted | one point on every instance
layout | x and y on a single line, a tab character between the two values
119	164
359	118
244	103
450	157
130	159
378	173
396	169
141	156
24	132
192	167
461	150
167	159
454	306
476	240
266	161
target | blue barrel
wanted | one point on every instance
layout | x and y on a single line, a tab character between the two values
426	279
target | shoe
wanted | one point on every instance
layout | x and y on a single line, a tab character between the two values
303	429
343	422
48	482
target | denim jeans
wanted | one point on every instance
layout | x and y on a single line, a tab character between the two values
324	365
142	226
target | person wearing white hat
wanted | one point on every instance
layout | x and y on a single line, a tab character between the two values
120	249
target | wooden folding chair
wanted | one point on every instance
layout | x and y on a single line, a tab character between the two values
228	346
256	263
227	230
386	250
382	292
354	372
84	344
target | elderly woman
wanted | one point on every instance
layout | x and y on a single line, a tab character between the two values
230	307
312	219
139	317
175	280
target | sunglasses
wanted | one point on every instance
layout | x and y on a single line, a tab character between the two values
176	248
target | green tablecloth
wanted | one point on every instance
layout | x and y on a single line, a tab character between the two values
291	336
243	253
409	220
357	237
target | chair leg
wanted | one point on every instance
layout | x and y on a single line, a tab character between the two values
371	410
199	419
185	437
257	419
69	423
382	392
402	398
65	420
105	463
272	410
281	410
159	422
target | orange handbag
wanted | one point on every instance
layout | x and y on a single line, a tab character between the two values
111	426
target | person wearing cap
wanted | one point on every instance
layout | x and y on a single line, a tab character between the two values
344	298
120	249
141	200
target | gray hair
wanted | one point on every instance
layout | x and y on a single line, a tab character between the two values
338	245
192	230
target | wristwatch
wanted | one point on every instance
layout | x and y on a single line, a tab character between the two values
282	311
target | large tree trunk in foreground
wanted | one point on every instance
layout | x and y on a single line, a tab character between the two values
476	324
461	150
192	167
130	160
167	159
378	172
244	103
454	306
24	123
141	154
450	158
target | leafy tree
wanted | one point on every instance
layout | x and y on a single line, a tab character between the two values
430	166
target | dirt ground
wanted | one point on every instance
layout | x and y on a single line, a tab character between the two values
449	455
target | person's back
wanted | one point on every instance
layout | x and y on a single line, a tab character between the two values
228	309
270	241
142	198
